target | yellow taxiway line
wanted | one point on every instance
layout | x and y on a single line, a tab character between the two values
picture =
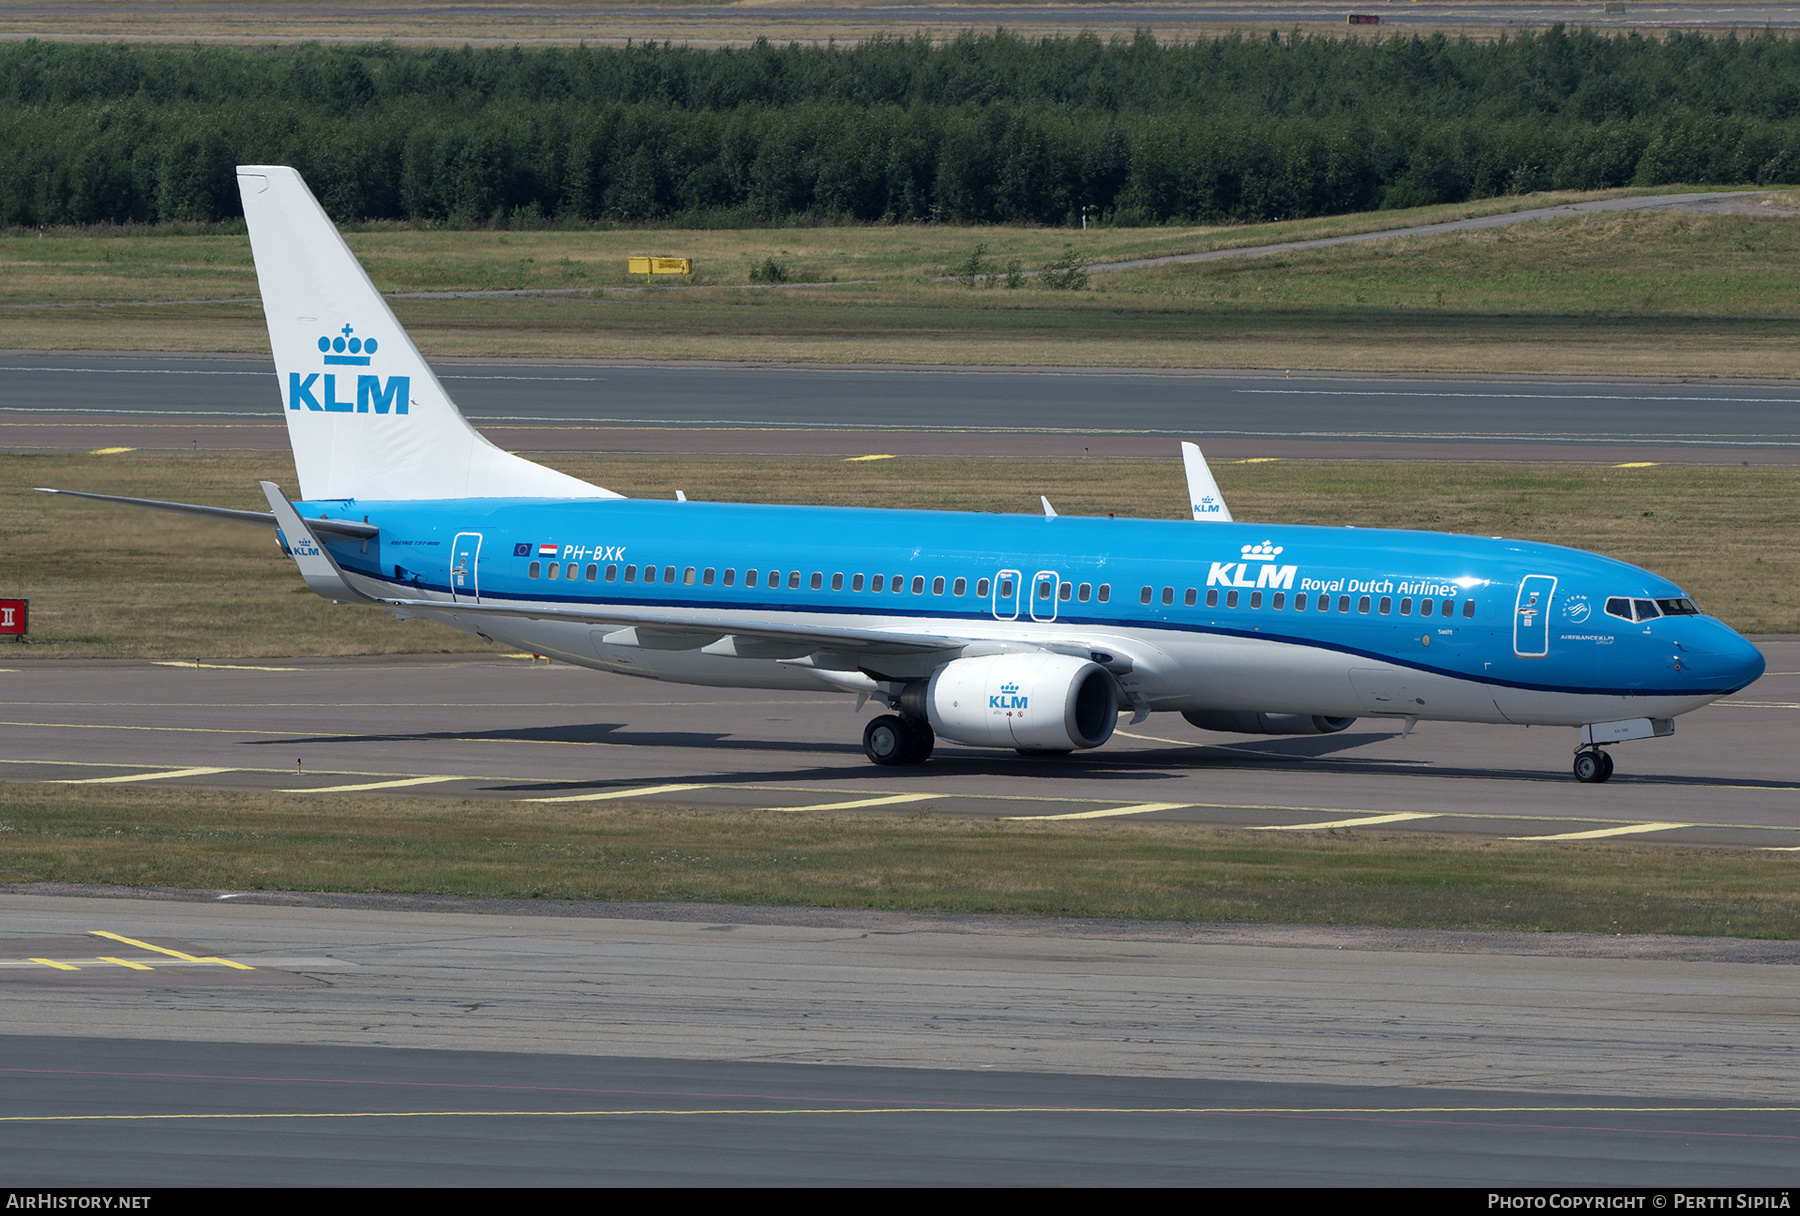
1630	829
1360	821
169	775
887	800
643	792
398	783
1142	808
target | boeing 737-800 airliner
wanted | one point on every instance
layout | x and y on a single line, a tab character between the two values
1024	632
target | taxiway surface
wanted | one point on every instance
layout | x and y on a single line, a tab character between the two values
84	402
233	1043
510	728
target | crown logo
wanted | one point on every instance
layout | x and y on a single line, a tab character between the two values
359	349
1009	689
1265	552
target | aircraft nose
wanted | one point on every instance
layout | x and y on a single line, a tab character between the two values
1728	658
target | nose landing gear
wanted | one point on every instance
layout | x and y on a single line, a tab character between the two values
1593	766
891	739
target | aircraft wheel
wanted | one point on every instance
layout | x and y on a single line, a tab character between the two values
1607	772
923	740
1591	768
886	740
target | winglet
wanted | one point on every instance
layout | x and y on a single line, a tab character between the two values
1049	511
316	566
1203	492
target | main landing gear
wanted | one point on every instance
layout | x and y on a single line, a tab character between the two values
891	739
1592	766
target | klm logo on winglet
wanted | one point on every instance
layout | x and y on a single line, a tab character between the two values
348	350
1208	505
1008	698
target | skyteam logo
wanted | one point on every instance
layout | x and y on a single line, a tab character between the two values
1008	698
349	349
1269	573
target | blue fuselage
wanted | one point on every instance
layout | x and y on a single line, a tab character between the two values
1265	617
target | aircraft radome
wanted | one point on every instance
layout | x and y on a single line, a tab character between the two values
1013	631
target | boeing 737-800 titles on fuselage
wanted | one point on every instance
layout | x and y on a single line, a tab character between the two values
1022	632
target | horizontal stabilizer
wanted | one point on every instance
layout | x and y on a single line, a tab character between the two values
337	527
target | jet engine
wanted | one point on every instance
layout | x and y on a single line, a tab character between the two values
1034	702
1265	724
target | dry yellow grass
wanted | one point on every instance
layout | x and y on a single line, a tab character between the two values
250	840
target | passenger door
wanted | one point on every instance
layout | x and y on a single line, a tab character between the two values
1531	616
465	557
1006	595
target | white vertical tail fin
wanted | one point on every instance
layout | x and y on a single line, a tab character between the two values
1203	491
366	416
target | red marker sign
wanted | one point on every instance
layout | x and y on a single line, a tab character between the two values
12	617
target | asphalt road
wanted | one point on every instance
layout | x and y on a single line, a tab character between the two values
300	1045
492	727
62	402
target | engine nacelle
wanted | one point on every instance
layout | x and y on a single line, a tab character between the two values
1265	724
1038	702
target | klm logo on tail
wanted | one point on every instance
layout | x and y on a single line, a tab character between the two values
348	350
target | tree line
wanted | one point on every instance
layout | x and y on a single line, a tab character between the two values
985	128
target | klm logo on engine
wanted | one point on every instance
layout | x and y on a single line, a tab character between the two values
1008	698
372	394
1269	572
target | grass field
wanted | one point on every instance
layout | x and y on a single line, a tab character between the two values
1672	294
109	581
1164	871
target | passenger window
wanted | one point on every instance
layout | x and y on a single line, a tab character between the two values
879	583
960	587
593	573
897	584
1231	598
631	574
818	581
730	576
937	585
856	583
918	584
612	574
534	571
1387	605
1105	592
1406	606
649	574
706	576
1425	607
1280	600
1168	595
1145	596
1212	597
1083	592
1300	602
1343	603
1446	607
1065	591
1256	599
981	588
553	569
1324	603
1362	605
793	580
687	577
1045	589
837	582
669	573
1468	610
1190	597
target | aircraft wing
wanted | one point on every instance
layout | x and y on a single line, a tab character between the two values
665	631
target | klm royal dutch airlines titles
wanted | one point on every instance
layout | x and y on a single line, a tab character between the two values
1010	631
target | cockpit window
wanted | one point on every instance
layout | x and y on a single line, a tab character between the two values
1649	610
